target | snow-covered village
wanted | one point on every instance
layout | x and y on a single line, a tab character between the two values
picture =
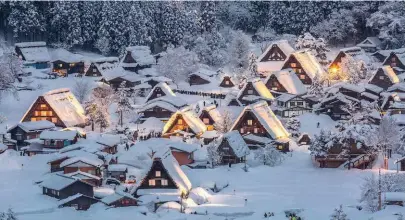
202	110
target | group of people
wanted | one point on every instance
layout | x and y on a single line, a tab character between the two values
293	217
203	94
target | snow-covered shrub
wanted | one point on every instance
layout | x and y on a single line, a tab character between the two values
269	156
214	156
321	143
239	51
225	123
317	46
199	195
293	126
338	214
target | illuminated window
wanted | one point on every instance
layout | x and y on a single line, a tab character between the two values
250	122
250	92
43	113
280	147
158	174
54	120
302	76
274	88
382	77
164	182
60	65
94	70
50	113
71	64
42	106
242	130
293	65
158	95
180	121
255	130
206	120
151	182
226	82
33	119
36	113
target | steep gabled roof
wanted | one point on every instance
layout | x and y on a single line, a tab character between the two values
388	71
260	87
190	117
267	119
58	181
142	56
87	160
160	104
108	200
28	126
58	135
237	143
65	56
284	46
213	112
34	51
356	53
370	42
309	64
165	89
289	80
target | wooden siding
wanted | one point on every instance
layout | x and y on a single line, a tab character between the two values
197	80
248	123
41	110
93	71
226	82
164	175
207	120
156	112
227	154
71	190
64	68
274	54
156	93
274	85
393	61
293	63
178	124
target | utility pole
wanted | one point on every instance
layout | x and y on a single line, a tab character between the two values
379	189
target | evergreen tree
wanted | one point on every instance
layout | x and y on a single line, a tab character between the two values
269	155
239	50
90	18
338	214
138	26
253	65
207	20
25	19
293	126
259	11
321	143
101	118
123	103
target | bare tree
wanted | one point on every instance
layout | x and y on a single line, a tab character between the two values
81	89
214	156
225	123
10	68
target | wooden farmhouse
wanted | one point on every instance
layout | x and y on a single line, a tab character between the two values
289	105
384	77
370	44
160	90
117	171
116	76
396	61
226	82
93	70
273	57
137	58
354	52
259	119
58	106
84	164
161	108
285	81
29	130
109	143
65	62
254	141
33	54
120	199
400	162
62	187
62	156
201	77
232	148
253	91
304	139
58	139
86	177
78	201
184	122
305	66
164	176
154	80
381	55
209	115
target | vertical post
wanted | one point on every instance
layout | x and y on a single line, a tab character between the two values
379	189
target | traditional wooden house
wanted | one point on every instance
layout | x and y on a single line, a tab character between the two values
120	199
255	141
184	120
89	165
400	162
29	130
354	52
226	82
293	105
201	76
397	61
381	55
209	115
58	106
58	139
116	76
370	44
304	139
253	91
334	105
78	201
305	66
155	80
109	143
62	187
394	198
137	58
384	77
93	70
160	90
233	149
272	59
232	100
65	62
260	120
33	54
162	110
164	176
86	177
76	151
285	81
117	171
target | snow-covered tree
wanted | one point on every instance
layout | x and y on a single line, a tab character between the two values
10	68
265	35
25	18
321	143
123	103
3	118
103	95
90	109
211	48
317	46
101	118
269	155
400	216
293	126
9	215
387	135
214	156
81	89
239	50
90	18
317	86
338	214
253	65
207	20
178	63
139	26
353	69
225	123
370	193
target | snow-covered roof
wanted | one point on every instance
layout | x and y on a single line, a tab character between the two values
260	87
108	200
394	196
65	56
386	53
190	117
270	66
290	81
163	145
161	104
34	125
397	105
87	160
58	135
3	147
213	112
117	167
148	72
66	107
309	63
237	143
284	46
34	51
210	134
157	78
388	71
82	175
267	119
112	73
141	55
105	60
72	198
397	86
370	42
172	100
258	139
108	139
285	97
373	88
57	181
151	124
165	89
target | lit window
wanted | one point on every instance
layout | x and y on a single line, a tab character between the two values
250	122
60	65
151	182
43	106
33	119
226	82
158	95
71	64
381	77
302	76
280	147
250	92
180	121
43	113
293	65
255	130
163	110
158	174
274	88
164	182
46	190
206	120
36	113
242	130
50	113
54	120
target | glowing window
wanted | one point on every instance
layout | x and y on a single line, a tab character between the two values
164	182
302	76
293	65
152	183
33	119
60	65
226	82
43	113
206	120
255	130
36	113
180	121
42	106
54	120
250	122
381	77
71	64
158	173
158	95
